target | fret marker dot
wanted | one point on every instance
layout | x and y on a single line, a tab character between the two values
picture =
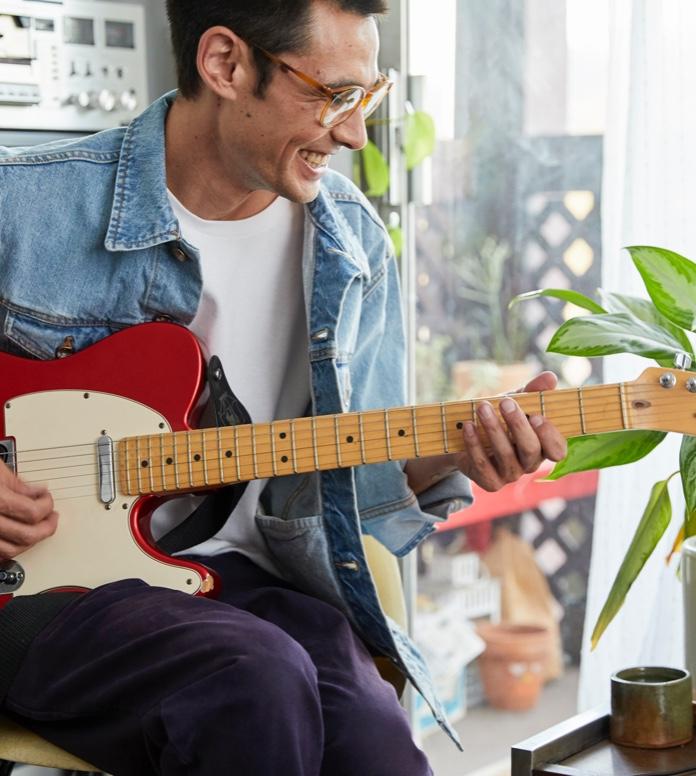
170	461
460	425
349	439
283	435
196	457
284	459
228	454
402	432
144	464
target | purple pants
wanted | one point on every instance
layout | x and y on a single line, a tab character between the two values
265	681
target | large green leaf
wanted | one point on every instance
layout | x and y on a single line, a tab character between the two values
646	311
419	138
652	526
670	280
574	297
376	170
599	451
602	335
687	467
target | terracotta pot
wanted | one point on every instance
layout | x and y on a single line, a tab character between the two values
512	667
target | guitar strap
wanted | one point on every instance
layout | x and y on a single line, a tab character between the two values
212	513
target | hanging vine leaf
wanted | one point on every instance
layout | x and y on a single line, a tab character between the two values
670	280
376	170
419	138
598	451
652	526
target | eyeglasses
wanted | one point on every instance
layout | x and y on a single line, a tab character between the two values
341	103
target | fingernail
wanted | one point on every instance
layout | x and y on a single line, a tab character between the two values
536	420
508	406
485	410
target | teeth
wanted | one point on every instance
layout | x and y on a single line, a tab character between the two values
315	159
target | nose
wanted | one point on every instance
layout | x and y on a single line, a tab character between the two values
352	133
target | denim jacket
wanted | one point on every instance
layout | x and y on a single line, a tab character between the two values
89	245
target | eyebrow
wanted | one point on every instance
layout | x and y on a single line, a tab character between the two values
351	82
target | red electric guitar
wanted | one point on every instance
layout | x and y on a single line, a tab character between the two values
106	430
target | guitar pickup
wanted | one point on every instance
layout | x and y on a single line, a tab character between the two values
107	480
8	454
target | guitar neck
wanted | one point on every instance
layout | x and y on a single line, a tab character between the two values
208	458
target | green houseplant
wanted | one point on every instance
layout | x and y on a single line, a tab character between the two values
656	328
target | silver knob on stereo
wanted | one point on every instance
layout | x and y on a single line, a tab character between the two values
86	100
128	100
107	100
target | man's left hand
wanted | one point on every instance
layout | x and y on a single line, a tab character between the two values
518	446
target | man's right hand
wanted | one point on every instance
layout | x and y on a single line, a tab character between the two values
26	514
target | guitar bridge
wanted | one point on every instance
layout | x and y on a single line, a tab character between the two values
8	454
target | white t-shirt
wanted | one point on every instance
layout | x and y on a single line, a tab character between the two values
252	315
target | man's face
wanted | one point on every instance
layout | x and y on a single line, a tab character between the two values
278	143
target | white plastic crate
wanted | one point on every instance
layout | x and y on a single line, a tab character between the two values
478	599
455	570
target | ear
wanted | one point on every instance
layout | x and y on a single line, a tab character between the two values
224	62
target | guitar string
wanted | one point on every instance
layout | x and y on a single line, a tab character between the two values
423	431
263	465
262	430
555	397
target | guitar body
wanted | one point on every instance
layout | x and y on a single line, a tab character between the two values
143	380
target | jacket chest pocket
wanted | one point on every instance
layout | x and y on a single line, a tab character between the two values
43	339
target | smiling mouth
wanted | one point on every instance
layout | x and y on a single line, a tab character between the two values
315	160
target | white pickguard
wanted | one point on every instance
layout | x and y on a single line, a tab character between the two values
56	434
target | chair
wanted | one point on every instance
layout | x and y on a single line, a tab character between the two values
20	746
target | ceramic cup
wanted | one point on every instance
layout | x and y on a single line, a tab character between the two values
651	707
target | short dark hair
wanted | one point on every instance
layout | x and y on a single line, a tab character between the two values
275	25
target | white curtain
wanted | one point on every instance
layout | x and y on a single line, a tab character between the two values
648	199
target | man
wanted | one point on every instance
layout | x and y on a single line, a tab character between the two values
216	209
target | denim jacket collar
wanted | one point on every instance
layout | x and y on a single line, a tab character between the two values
141	216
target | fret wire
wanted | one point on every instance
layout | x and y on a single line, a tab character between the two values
253	453
415	432
137	450
128	480
443	421
314	443
362	437
236	452
541	403
582	410
205	461
622	399
294	448
176	463
151	474
474	416
221	455
387	432
338	441
273	451
188	455
164	471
